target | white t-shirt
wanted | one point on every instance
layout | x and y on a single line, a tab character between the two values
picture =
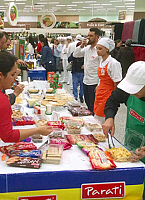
91	63
114	69
31	49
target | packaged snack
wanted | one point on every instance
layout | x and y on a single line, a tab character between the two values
6	149
26	153
93	127
79	119
21	121
28	120
53	154
24	146
17	114
83	144
33	90
99	136
56	124
64	142
30	103
73	104
101	160
57	133
73	127
120	154
77	138
24	162
79	111
37	138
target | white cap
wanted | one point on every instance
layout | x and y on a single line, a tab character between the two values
107	42
134	80
78	37
69	37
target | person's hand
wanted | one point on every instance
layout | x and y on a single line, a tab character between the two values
107	126
18	89
38	55
82	67
45	130
18	71
139	154
96	88
84	43
21	62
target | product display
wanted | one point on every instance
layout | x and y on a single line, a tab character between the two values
120	154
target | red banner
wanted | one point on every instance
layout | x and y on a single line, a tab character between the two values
46	197
103	190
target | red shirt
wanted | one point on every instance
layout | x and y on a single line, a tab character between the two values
39	47
7	134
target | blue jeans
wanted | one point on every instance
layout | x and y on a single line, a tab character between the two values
78	81
57	63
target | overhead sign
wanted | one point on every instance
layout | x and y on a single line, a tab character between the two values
12	14
48	21
122	15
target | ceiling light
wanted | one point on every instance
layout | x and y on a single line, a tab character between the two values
128	0
20	3
129	3
71	5
2	6
115	1
61	5
129	6
21	0
87	7
78	2
53	2
8	0
107	4
39	5
71	9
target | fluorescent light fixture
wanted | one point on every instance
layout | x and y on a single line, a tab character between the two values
129	3
61	5
72	5
37	8
87	7
9	0
38	5
128	0
77	2
106	4
115	1
71	9
2	6
111	8
95	4
20	3
41	3
129	6
53	2
21	0
28	6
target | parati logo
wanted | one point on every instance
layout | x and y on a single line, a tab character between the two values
103	190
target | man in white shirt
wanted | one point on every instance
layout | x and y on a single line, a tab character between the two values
91	63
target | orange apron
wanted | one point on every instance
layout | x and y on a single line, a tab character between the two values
105	87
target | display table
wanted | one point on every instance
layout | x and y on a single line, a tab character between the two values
72	179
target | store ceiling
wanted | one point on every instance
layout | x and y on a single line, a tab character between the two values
76	7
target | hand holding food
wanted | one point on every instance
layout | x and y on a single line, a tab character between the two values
139	154
45	130
18	89
107	126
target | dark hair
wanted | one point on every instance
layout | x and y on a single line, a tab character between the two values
7	36
128	42
117	41
31	41
41	36
45	41
2	34
7	62
96	30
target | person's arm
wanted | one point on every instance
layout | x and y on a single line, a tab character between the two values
43	130
12	98
44	55
70	58
79	52
111	107
59	49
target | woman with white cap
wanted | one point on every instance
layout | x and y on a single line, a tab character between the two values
109	73
131	91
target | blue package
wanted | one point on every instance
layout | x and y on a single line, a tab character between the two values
26	153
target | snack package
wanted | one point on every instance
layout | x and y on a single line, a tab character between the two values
56	124
120	154
37	138
26	162
57	133
73	139
6	149
28	120
73	104
24	146
21	121
16	114
93	127
101	160
73	127
79	111
83	144
99	136
26	153
53	154
78	119
64	142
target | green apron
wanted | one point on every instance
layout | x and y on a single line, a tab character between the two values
135	125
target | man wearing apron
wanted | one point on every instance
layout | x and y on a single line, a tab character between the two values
131	91
109	73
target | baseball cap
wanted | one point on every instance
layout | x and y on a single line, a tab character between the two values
107	42
69	37
134	80
78	37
